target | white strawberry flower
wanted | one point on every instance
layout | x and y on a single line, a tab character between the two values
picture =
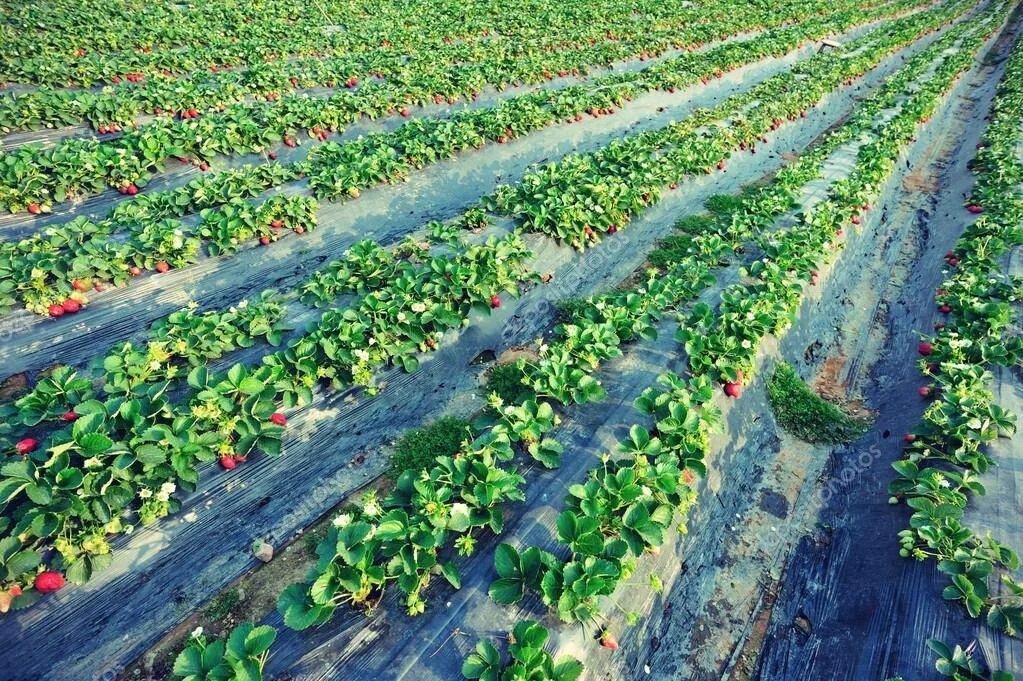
746	343
168	488
343	520
418	307
145	493
197	632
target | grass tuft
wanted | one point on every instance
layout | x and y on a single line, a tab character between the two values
807	415
417	449
222	606
506	380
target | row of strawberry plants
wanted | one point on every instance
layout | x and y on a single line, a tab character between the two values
629	502
399	30
945	455
53	273
99	467
36	271
563	368
336	350
118	106
632	173
417	520
35	177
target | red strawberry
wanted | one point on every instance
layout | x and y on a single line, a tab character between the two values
945	308
79	285
908	438
495	301
405	112
856	219
15	591
132	190
135	270
265	240
938	326
71	306
277	224
69	416
974	208
204	166
279	419
608	640
733	389
721	165
925	348
228	462
612	229
48	581
26	446
272	155
299	230
924	391
55	310
34	208
162	266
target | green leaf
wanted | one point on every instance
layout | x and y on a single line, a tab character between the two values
259	640
94	443
451	573
189	662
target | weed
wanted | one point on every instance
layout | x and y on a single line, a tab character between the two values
805	414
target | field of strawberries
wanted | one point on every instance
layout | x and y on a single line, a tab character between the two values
432	340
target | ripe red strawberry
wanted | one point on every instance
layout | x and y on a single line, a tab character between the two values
228	462
277	224
26	446
79	285
162	266
272	155
856	219
946	308
55	310
15	591
135	270
733	389
69	416
204	166
299	230
908	438
924	391
49	581
974	208
608	640
265	240
132	190
612	229
405	112
279	419
71	306
721	165
495	301
925	348
34	208
953	262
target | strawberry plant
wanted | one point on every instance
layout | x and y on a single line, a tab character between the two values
528	658
240	656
